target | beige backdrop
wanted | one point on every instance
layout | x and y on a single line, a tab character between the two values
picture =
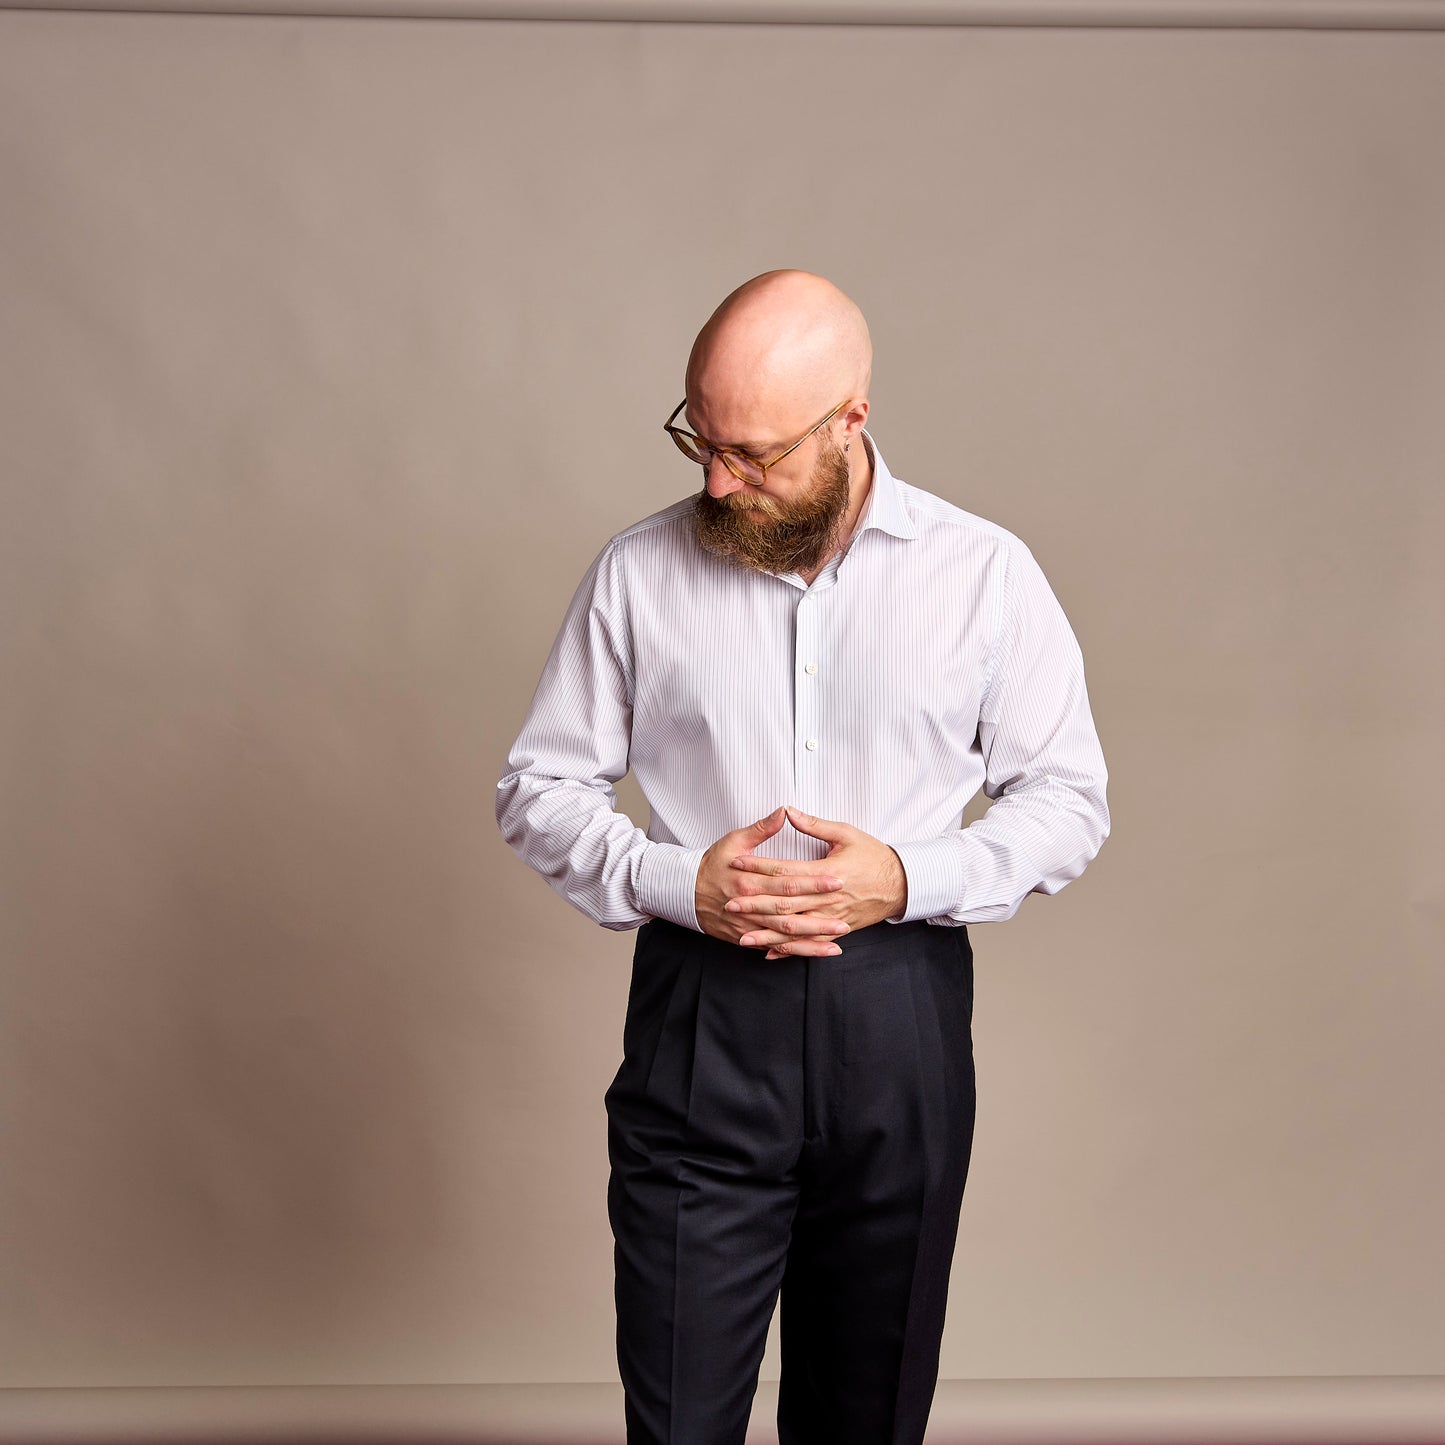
334	349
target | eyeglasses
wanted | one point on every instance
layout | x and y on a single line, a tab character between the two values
740	464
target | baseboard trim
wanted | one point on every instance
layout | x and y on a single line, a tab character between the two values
1248	1410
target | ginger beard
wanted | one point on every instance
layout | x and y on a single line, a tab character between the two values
767	534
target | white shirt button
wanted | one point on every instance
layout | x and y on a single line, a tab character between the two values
811	667
811	745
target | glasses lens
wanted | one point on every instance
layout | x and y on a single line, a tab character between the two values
691	448
743	468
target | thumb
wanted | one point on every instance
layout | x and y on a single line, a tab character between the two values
764	828
823	828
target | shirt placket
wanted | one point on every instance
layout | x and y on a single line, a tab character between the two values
810	745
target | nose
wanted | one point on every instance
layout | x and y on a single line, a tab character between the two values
720	481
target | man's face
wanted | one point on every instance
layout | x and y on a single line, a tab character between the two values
772	530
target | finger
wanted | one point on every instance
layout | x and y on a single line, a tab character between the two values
763	924
782	867
801	949
802	886
795	928
827	828
764	828
764	905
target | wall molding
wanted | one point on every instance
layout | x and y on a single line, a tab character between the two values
1086	14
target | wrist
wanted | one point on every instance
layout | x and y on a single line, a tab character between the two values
898	898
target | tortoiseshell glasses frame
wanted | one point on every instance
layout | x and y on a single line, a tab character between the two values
698	449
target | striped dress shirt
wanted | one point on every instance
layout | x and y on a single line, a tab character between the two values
929	659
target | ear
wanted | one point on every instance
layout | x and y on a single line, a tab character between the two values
853	418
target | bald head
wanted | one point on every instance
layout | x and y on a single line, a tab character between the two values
777	354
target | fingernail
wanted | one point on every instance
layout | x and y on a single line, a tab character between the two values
746	940
835	883
732	906
834	952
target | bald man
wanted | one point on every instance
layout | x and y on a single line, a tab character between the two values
810	667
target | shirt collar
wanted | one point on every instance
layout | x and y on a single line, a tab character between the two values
885	508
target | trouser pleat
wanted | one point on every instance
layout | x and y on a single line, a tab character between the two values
796	1127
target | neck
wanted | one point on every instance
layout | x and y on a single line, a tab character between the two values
860	485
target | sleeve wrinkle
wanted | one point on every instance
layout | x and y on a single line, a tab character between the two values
1044	769
556	804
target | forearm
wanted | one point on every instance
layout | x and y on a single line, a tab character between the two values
1034	839
1044	769
593	855
556	805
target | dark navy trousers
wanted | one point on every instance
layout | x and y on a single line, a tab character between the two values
795	1132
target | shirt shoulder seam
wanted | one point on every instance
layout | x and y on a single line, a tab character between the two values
678	509
950	514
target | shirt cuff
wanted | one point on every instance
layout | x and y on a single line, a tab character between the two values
934	870
667	883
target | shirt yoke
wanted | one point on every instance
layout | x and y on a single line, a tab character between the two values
679	511
929	507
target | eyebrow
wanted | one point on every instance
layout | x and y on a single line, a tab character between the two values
735	446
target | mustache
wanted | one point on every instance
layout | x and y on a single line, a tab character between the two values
743	502
802	529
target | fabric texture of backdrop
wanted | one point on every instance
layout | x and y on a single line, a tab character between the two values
336	348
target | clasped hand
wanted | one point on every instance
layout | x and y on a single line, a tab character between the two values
795	905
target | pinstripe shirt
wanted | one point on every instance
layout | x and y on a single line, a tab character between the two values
926	661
